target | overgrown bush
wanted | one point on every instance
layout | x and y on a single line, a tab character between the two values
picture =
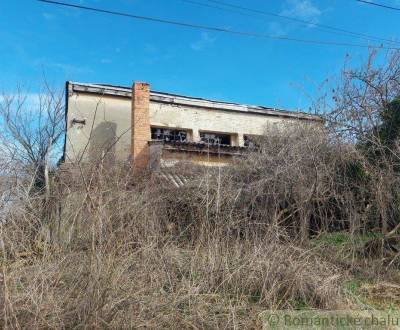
116	251
113	250
285	226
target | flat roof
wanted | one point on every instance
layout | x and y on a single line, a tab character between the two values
182	100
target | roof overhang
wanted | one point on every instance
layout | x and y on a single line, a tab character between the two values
180	100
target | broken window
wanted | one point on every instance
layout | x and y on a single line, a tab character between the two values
168	134
216	139
251	141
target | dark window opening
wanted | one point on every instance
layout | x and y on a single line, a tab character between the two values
168	134
251	142
216	139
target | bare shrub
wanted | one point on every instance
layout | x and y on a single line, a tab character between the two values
114	261
294	181
102	248
364	113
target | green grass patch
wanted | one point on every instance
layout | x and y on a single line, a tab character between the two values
344	238
353	286
299	303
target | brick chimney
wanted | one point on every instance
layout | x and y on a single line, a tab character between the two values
141	132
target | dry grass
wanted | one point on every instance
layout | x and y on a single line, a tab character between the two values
121	254
107	250
214	287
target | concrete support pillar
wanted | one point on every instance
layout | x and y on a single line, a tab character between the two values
240	140
196	135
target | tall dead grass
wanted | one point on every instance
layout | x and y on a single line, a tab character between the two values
108	250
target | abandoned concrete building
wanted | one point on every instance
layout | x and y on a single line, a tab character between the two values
151	128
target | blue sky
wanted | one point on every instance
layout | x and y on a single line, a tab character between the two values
68	44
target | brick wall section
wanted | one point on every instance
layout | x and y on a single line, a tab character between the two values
140	120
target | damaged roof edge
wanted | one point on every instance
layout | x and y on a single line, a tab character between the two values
161	97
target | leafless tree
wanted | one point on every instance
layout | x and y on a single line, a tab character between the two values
359	103
32	126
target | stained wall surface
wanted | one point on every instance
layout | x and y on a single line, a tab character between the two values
107	124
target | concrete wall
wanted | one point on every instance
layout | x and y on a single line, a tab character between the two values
203	119
108	123
96	111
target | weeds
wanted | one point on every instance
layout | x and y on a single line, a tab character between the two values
308	220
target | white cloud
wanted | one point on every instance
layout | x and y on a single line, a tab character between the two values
277	29
67	69
105	61
30	100
302	9
205	41
48	16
